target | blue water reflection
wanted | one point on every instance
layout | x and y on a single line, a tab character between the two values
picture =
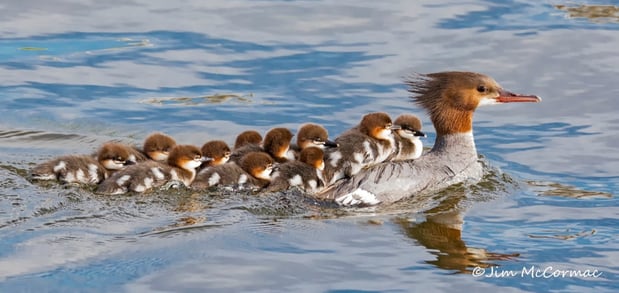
288	94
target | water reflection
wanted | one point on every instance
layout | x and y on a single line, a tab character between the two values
441	234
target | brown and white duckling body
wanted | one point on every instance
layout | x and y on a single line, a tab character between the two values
369	143
85	169
306	173
181	166
311	135
253	172
276	143
407	138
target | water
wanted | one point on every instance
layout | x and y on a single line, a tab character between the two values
76	75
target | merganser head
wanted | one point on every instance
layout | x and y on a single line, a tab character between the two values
216	152
410	127
313	156
277	142
114	156
258	164
186	157
451	97
311	134
247	137
158	145
377	125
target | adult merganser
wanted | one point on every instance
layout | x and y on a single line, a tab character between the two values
450	98
85	169
253	171
157	146
276	143
247	137
311	135
306	173
408	144
369	143
215	152
181	166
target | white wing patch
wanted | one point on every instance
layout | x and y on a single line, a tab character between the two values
312	184
80	176
157	173
70	177
334	158
355	168
214	179
242	179
60	166
367	148
359	196
418	148
148	182
296	180
358	157
139	188
92	173
121	181
174	175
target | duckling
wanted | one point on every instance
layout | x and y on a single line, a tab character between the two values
311	135
367	144
253	172
276	143
85	169
408	144
157	146
306	173
215	152
247	137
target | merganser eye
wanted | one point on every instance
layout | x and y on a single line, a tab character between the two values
482	89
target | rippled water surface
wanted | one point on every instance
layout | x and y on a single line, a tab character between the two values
76	74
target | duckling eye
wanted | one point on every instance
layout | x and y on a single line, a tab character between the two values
119	158
197	157
482	89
